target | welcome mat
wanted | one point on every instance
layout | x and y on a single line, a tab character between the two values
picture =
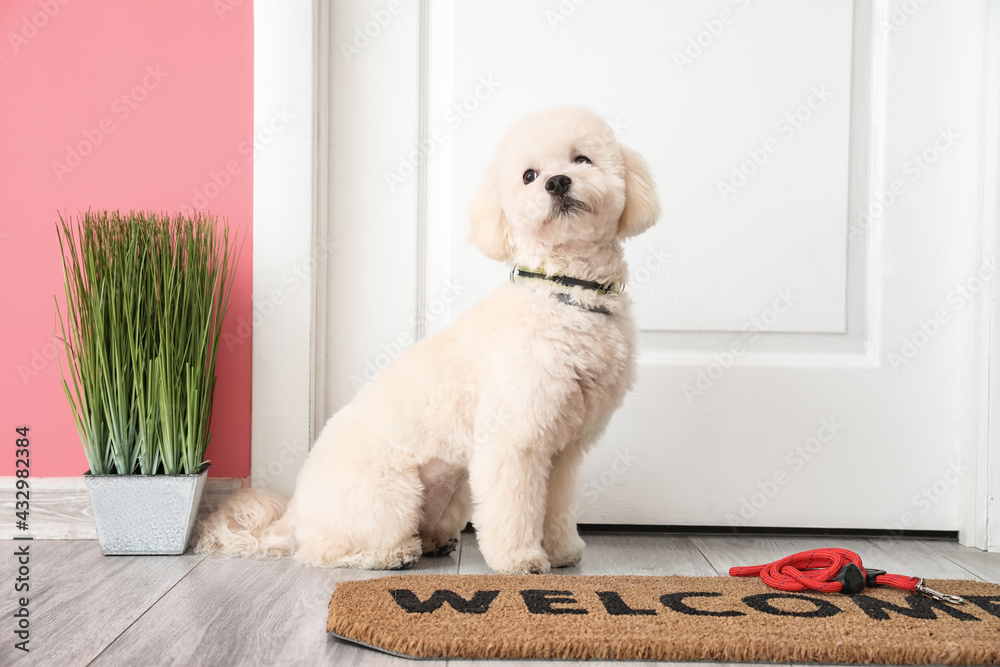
663	618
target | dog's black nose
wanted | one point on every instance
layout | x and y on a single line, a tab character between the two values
558	185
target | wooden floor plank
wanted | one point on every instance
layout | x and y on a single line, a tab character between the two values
915	558
984	565
79	600
237	611
186	610
611	554
900	556
60	506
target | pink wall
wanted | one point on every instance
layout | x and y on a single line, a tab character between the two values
156	99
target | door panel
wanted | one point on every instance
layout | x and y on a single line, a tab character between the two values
748	140
807	302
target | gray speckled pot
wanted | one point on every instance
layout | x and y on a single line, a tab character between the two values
145	514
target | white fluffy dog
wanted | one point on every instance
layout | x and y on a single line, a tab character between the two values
495	412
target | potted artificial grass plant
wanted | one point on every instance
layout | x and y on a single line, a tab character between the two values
145	298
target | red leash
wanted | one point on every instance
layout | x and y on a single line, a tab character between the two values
833	571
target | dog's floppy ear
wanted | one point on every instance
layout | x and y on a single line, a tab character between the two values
490	229
642	207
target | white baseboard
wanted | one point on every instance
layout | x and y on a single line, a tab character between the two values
60	507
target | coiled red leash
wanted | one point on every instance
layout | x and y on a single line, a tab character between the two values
833	571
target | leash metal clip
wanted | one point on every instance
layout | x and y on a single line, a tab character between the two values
934	595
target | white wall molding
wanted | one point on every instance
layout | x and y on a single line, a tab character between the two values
983	514
60	507
286	62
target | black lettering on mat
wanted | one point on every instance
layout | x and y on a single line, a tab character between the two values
920	607
676	602
989	603
615	606
408	600
762	603
540	602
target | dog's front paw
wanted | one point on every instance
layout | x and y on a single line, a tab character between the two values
533	561
439	546
566	554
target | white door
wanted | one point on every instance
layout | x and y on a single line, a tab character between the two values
809	300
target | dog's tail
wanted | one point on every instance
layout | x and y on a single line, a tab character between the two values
251	523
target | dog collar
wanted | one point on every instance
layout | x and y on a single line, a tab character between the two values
565	298
607	288
536	274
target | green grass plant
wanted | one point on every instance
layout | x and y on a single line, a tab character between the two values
145	298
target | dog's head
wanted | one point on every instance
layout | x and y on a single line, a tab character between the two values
561	177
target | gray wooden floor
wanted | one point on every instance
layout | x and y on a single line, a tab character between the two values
188	610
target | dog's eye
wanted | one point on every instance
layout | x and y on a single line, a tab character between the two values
582	159
530	176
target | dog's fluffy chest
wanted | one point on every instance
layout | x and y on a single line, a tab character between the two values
596	348
602	366
544	336
537	343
